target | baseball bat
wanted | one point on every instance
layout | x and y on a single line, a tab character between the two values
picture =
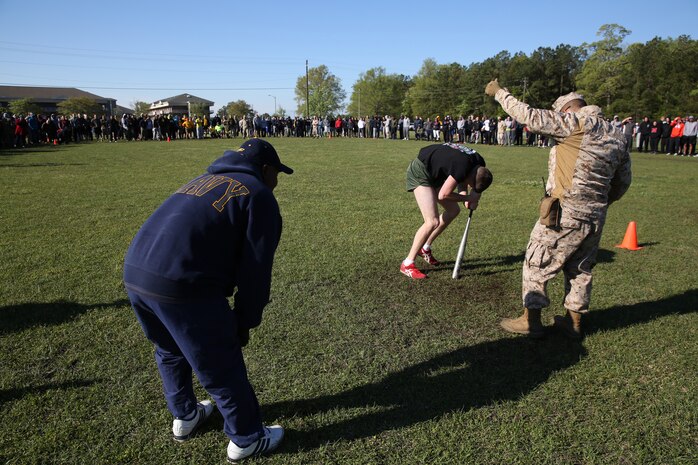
461	249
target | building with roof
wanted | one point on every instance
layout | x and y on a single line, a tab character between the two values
179	105
48	98
119	110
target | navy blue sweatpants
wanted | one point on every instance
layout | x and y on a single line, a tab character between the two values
201	335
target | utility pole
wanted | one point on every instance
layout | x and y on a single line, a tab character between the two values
525	81
307	91
561	77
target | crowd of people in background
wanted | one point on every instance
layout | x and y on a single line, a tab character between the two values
664	135
675	136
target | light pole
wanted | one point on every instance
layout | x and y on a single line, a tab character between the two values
307	91
274	102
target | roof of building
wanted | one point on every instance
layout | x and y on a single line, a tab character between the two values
182	99
119	110
46	94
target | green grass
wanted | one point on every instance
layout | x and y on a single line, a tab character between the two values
361	365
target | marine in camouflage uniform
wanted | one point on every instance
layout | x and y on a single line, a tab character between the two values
588	169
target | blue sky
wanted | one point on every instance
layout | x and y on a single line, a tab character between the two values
256	51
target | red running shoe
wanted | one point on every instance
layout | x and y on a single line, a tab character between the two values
428	257
411	271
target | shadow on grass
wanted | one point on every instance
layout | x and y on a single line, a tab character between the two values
23	316
8	395
32	149
628	315
605	256
507	263
467	378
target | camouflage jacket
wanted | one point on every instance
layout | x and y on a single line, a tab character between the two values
590	166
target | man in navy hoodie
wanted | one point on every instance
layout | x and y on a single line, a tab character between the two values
214	237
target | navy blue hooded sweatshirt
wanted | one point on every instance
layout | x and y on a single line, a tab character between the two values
216	233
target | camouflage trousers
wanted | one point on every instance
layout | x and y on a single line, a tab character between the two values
571	249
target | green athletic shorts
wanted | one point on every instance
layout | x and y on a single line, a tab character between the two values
417	175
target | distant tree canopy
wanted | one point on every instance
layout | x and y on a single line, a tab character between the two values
657	78
198	109
437	89
23	107
239	108
378	93
79	105
322	91
141	108
654	79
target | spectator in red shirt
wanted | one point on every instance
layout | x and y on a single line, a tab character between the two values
21	131
676	133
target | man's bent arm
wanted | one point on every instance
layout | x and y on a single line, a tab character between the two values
254	270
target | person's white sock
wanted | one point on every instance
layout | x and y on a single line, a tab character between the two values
427	247
408	262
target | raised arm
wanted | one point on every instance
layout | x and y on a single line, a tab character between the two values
548	122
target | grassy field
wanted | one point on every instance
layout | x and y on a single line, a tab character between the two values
360	364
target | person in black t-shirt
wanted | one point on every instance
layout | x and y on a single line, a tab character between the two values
433	176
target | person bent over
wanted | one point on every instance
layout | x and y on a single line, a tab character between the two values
434	176
587	170
214	237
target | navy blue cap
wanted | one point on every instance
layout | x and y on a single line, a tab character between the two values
263	152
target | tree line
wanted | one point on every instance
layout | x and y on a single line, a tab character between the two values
655	78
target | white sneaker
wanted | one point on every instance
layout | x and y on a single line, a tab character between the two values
270	441
182	430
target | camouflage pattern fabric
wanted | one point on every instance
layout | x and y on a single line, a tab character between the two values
596	172
602	171
572	249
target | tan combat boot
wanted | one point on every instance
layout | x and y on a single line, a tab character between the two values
570	325
529	323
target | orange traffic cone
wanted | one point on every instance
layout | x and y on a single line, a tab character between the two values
630	239
55	141
168	138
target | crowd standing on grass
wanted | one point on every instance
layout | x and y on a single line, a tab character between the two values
673	136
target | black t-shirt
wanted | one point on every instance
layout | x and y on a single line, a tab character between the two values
444	160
